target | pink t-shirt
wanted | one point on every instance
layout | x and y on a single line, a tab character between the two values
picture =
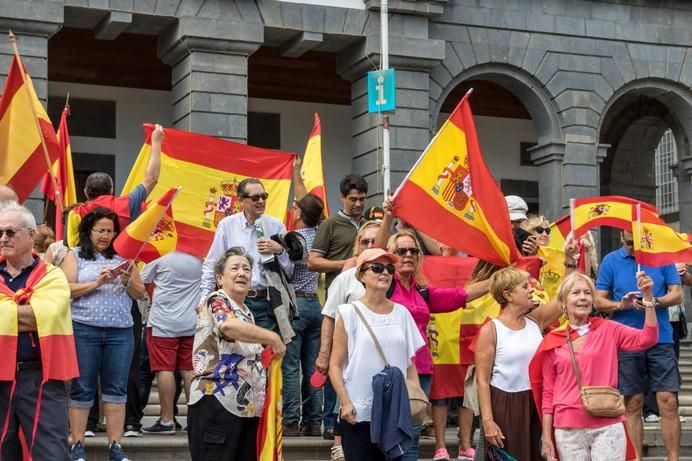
598	366
440	300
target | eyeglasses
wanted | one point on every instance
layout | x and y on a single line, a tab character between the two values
10	233
367	242
379	268
103	232
257	197
629	243
404	251
540	230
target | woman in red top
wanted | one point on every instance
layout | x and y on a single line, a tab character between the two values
410	289
596	343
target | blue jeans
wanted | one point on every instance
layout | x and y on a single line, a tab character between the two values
261	312
103	354
329	411
412	453
300	357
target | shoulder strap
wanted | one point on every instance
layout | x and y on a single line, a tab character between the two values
372	334
574	359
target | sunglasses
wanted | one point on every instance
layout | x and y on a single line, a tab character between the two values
404	251
379	268
367	242
257	197
540	230
10	232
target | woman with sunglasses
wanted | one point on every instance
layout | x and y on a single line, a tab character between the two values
103	286
355	358
410	289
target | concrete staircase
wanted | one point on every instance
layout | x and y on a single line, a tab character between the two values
175	448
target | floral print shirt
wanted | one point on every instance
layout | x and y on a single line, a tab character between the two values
229	370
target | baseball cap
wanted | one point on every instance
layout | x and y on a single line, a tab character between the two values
372	254
517	207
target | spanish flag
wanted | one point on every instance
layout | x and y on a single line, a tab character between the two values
311	170
451	195
152	234
269	433
656	244
208	170
607	210
22	159
559	231
63	173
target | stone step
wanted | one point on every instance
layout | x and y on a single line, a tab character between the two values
155	410
155	398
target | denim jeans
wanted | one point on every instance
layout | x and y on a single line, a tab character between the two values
301	354
104	355
261	312
329	412
412	453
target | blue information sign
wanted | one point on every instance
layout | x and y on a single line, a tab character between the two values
381	91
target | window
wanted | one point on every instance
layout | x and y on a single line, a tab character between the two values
666	183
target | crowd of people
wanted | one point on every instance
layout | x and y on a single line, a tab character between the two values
88	333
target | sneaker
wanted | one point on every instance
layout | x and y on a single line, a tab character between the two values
441	454
89	433
177	424
682	419
116	453
466	455
652	418
328	433
132	431
77	452
160	429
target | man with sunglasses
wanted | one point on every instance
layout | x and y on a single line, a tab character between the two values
39	349
616	293
250	229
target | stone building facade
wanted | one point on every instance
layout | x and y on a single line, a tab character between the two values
601	80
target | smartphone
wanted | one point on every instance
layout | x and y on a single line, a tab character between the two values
122	267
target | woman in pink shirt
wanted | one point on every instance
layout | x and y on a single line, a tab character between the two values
596	343
410	289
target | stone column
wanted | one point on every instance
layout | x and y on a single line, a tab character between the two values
548	158
581	168
33	23
210	74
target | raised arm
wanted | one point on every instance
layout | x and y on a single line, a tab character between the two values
299	189
151	173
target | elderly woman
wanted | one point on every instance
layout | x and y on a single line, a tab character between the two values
355	358
596	343
103	285
411	290
503	352
228	391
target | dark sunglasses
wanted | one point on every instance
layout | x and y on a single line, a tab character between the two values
366	242
10	232
379	268
257	197
403	251
629	243
540	230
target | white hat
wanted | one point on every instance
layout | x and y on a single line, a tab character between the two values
517	207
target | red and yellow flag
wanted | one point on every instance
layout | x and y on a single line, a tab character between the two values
22	160
270	431
655	243
209	169
63	173
311	170
451	195
607	210
152	234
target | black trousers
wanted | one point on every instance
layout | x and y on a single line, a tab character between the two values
214	434
355	440
134	411
51	433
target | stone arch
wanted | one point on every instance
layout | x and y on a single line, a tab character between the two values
632	123
525	87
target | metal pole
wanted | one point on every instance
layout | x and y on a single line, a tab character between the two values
384	41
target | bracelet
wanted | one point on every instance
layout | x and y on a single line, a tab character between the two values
651	303
570	265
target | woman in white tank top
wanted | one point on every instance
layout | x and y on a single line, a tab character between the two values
505	348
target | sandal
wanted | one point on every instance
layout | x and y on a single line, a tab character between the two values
337	453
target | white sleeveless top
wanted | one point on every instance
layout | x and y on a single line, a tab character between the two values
514	351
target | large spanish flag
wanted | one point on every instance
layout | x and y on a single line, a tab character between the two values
63	172
270	430
312	170
451	195
607	210
22	160
655	243
152	234
209	169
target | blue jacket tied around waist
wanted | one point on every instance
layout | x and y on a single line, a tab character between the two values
391	428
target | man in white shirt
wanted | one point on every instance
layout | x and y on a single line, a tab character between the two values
249	229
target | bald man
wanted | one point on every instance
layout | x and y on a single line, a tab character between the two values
7	194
